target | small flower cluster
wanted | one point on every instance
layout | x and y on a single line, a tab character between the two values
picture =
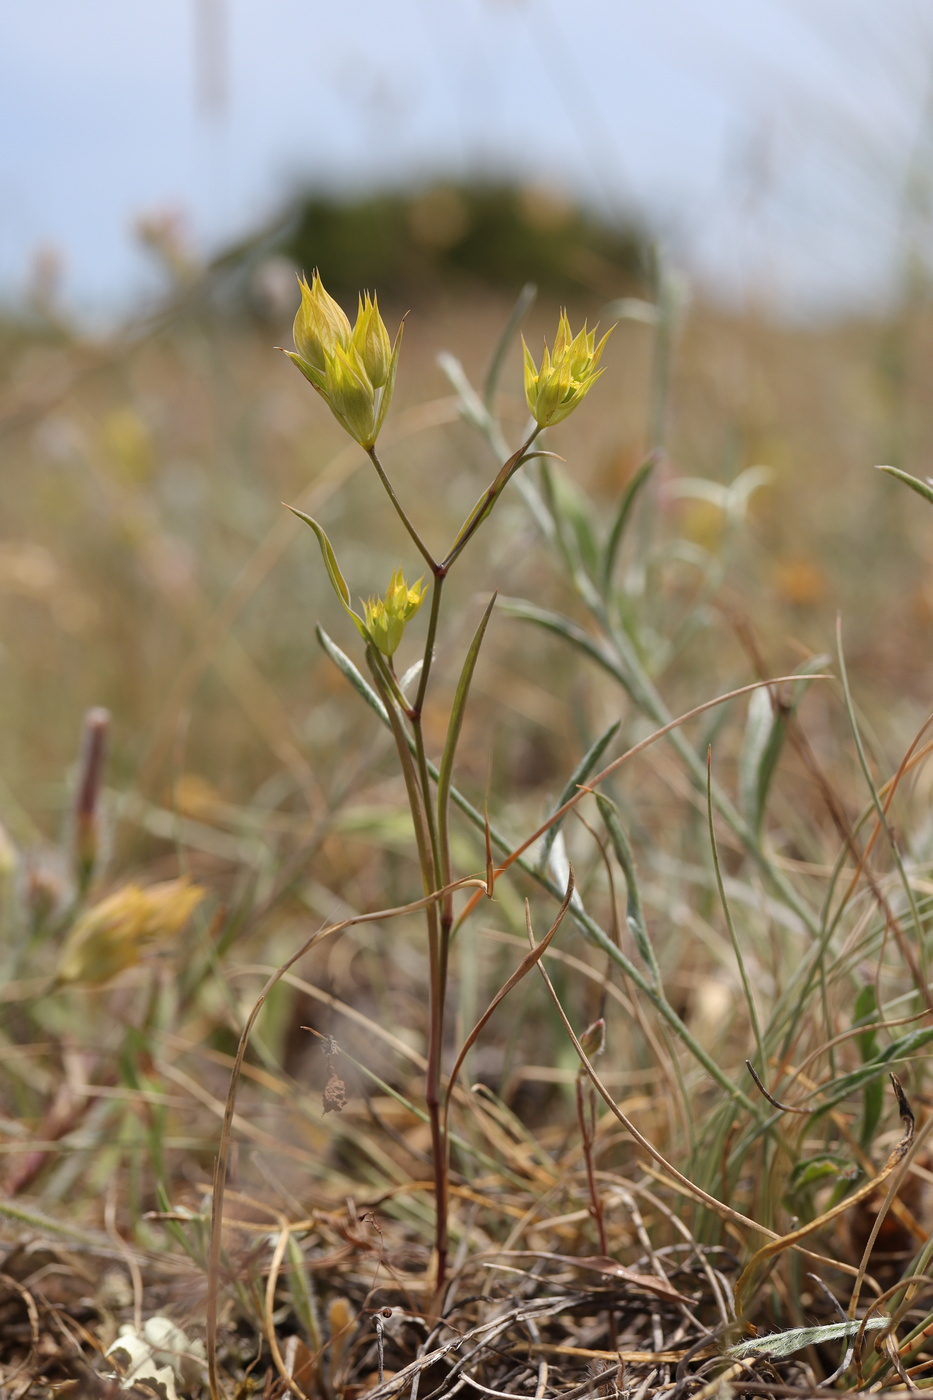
567	373
386	617
352	368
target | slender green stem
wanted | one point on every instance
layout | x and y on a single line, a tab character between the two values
421	760
437	961
401	512
433	619
390	682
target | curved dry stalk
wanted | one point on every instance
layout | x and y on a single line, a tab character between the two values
719	1207
897	1158
524	967
750	1277
652	738
839	1039
887	792
221	1162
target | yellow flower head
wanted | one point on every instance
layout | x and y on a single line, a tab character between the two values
386	617
113	934
567	373
320	325
352	368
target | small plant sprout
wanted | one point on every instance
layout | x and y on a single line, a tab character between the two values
353	369
567	373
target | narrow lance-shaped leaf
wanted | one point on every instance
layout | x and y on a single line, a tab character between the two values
623	514
457	711
901	1049
922	488
525	299
571	632
786	1343
470	404
866	1011
578	777
727	913
574	531
634	913
346	667
301	1288
765	733
337	579
363	688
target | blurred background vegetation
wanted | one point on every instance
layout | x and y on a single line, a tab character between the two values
146	564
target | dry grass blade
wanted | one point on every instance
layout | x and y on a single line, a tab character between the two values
751	1277
629	754
601	1264
527	963
720	1208
223	1149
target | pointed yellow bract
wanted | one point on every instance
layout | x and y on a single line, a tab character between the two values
386	617
567	373
113	934
352	368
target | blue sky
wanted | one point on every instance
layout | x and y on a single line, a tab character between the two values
771	141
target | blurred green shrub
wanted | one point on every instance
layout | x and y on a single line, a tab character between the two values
452	235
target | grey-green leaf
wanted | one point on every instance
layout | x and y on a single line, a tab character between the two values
578	777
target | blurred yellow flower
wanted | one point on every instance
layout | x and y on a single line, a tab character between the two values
352	368
567	373
113	934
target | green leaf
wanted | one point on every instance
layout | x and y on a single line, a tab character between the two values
922	488
470	404
617	530
509	331
813	1170
765	732
634	913
333	569
568	507
457	711
892	1054
579	776
301	1288
866	1010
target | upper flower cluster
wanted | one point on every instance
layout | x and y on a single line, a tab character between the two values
567	373
352	368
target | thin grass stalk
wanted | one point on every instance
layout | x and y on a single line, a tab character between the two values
428	858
